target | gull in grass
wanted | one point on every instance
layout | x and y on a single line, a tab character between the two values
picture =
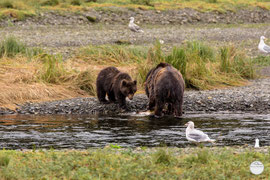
257	145
262	46
196	136
134	27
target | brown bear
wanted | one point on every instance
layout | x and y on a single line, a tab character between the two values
117	85
164	85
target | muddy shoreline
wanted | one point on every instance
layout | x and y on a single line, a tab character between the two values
253	98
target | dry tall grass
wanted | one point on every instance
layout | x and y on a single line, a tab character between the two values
20	83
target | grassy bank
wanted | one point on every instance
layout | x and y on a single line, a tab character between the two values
202	66
113	163
30	74
20	9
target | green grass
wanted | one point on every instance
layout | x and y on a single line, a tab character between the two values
113	54
111	163
202	66
10	47
52	69
55	72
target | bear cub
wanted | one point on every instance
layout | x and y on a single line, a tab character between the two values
117	85
164	86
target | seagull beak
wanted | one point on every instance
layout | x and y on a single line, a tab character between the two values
186	124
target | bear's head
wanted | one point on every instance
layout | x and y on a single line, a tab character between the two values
128	88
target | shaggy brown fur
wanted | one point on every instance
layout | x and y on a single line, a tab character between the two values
165	85
117	85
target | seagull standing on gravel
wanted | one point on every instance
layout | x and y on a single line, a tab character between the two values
196	136
134	27
262	46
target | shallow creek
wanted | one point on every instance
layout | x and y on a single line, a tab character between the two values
128	130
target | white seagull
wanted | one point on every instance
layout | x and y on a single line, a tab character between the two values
257	143
134	27
262	46
196	136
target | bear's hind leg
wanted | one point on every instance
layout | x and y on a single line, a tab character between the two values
158	109
151	104
178	110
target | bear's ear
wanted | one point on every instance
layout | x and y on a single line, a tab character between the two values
124	83
135	82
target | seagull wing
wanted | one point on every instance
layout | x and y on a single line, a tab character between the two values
197	136
135	28
266	48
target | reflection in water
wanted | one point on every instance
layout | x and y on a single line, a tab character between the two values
80	132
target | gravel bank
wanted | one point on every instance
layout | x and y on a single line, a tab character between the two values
119	15
253	98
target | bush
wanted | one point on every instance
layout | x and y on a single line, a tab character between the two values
85	80
205	52
235	62
154	57
4	160
142	2
212	1
163	157
53	71
50	3
6	4
105	54
200	66
178	59
11	47
76	2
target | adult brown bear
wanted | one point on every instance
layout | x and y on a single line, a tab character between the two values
117	85
165	85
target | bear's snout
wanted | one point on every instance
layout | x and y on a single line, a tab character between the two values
130	96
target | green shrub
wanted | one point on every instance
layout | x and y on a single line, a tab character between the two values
6	4
50	3
105	54
237	63
205	52
85	80
143	69
178	59
212	1
261	60
142	2
76	2
90	0
200	66
225	61
11	47
4	160
154	57
162	157
53	71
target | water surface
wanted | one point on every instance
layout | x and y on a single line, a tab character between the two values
80	132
